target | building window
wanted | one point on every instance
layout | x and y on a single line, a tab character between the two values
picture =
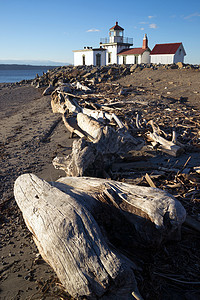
109	57
98	60
83	57
124	59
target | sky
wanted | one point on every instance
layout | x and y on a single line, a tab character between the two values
52	29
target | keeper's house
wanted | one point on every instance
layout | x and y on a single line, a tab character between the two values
135	55
167	53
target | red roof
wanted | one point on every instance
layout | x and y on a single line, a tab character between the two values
132	51
165	48
116	27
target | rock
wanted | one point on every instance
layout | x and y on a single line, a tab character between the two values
113	71
180	65
174	66
133	68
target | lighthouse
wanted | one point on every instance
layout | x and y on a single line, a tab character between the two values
115	43
114	49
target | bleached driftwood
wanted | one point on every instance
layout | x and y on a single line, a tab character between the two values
94	156
155	214
80	86
107	143
60	102
70	240
84	160
90	126
63	218
72	126
166	146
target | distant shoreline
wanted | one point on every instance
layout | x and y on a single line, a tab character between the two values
24	67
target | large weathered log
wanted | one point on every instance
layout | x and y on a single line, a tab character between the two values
155	214
70	240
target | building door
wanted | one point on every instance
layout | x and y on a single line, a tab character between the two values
83	57
98	60
124	60
136	59
109	57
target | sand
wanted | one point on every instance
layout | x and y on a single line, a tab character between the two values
26	119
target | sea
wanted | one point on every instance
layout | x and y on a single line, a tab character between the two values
16	74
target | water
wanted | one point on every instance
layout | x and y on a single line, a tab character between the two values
18	75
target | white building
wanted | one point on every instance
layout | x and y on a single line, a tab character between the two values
90	56
167	53
108	51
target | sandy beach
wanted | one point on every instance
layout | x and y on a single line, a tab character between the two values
30	137
26	145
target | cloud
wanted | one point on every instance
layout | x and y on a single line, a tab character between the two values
142	28
196	14
150	17
92	30
143	22
154	26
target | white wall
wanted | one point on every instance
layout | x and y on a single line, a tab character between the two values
103	57
113	50
130	59
179	55
162	59
78	57
146	57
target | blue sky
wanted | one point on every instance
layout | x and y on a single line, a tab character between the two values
50	30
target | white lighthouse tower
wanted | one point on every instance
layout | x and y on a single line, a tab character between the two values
115	43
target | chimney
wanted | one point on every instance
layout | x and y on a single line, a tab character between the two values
116	23
145	42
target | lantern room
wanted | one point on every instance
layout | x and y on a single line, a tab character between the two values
116	34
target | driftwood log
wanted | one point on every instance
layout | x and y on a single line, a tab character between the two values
155	214
106	144
97	156
84	160
65	218
70	240
166	146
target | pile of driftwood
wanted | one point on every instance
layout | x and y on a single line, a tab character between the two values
82	225
106	137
